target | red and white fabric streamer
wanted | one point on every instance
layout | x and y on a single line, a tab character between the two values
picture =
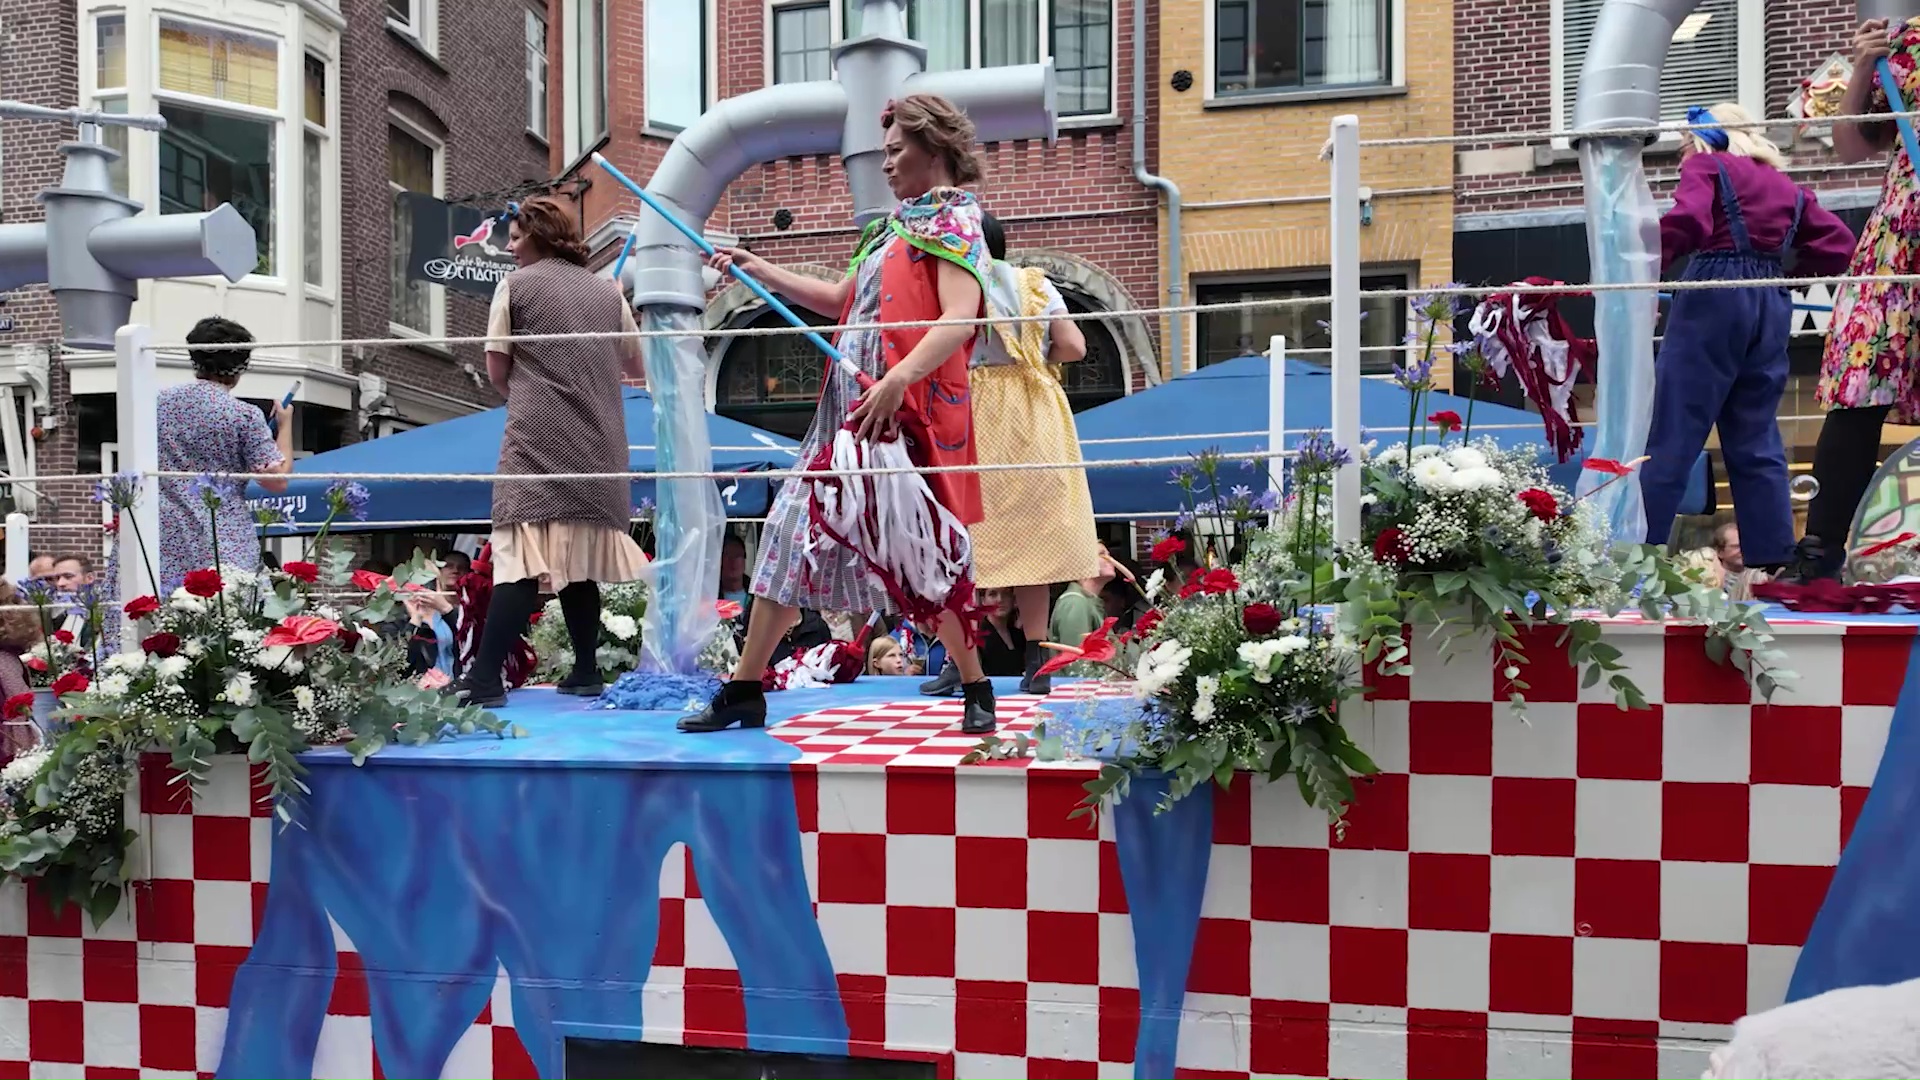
822	665
1525	333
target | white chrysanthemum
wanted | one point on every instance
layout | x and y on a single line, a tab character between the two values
21	770
126	661
622	627
1433	474
194	649
1155	582
182	600
1258	656
1369	499
1466	457
239	690
1392	455
1160	666
112	686
274	656
1205	687
171	668
303	698
1422	452
246	638
1481	478
1292	643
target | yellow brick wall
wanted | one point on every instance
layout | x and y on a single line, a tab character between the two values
1271	151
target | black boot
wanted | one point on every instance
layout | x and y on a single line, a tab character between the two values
1813	562
943	684
742	703
580	606
1034	682
978	718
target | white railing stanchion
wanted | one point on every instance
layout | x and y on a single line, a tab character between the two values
1344	205
138	386
1277	417
19	546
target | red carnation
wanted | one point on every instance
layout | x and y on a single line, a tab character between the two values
161	644
64	637
301	571
1167	548
142	606
18	706
71	683
1390	546
1260	619
1540	504
1446	419
1145	624
1210	583
203	583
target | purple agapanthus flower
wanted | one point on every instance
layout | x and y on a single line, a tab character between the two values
211	489
1318	453
349	499
1416	375
120	491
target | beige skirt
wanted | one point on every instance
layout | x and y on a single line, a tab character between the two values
560	553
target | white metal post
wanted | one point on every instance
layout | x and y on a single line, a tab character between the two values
138	385
18	547
1345	262
1276	415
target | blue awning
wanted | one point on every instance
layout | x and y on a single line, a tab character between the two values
1187	415
471	444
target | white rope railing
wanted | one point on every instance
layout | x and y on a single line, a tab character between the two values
1638	130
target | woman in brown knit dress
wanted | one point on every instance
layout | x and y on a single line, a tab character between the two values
564	415
20	633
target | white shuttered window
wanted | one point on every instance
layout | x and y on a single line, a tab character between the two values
1717	54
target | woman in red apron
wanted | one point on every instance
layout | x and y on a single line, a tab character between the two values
923	262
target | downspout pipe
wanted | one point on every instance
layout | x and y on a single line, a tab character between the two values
1176	281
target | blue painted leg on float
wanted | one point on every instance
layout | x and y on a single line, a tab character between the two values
746	853
279	996
1699	359
1750	444
1163	864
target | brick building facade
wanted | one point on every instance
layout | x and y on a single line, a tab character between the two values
294	112
1518	199
1073	207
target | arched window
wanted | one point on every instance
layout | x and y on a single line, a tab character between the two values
772	382
1102	375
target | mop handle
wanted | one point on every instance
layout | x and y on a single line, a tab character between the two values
1896	104
745	278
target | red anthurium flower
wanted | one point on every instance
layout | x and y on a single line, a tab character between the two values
35	663
1390	546
161	644
728	609
18	706
203	583
368	581
1260	619
301	571
1097	646
64	637
1446	419
300	630
1539	503
1167	548
142	606
71	683
1609	466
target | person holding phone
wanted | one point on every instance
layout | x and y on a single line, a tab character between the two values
204	428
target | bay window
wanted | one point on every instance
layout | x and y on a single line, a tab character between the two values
1273	46
802	42
676	64
219	92
413	165
1077	34
584	73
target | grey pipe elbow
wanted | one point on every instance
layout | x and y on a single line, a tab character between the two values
790	120
1620	77
1004	103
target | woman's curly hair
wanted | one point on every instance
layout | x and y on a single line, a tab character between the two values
19	630
939	127
224	364
548	222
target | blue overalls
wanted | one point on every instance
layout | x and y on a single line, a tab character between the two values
1724	363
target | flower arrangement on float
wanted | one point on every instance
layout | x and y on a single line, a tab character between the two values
1246	665
623	609
267	664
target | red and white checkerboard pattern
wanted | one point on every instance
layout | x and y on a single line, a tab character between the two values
1597	893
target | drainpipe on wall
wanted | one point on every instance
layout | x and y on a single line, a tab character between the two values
1176	283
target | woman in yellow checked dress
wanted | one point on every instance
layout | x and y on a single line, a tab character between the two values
1037	527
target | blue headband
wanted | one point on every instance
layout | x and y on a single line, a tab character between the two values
513	211
1714	137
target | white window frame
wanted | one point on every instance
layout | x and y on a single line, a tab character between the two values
97	96
769	8
276	118
329	203
436	294
423	26
575	141
539	74
709	66
1752	61
975	48
1397	64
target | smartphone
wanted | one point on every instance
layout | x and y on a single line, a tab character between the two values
273	423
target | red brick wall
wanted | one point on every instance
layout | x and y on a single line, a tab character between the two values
1502	62
1078	195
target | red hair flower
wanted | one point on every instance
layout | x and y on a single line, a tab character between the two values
203	583
19	706
72	682
142	606
300	630
1540	503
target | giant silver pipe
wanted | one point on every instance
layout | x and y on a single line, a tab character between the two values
1176	284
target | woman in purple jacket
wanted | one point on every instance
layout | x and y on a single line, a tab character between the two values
1723	361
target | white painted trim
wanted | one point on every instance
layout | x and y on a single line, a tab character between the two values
767	10
1396	46
546	71
709	66
437	294
423	26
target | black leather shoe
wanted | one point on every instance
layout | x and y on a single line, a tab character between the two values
485	695
742	703
577	685
979	718
1033	682
1813	562
945	684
